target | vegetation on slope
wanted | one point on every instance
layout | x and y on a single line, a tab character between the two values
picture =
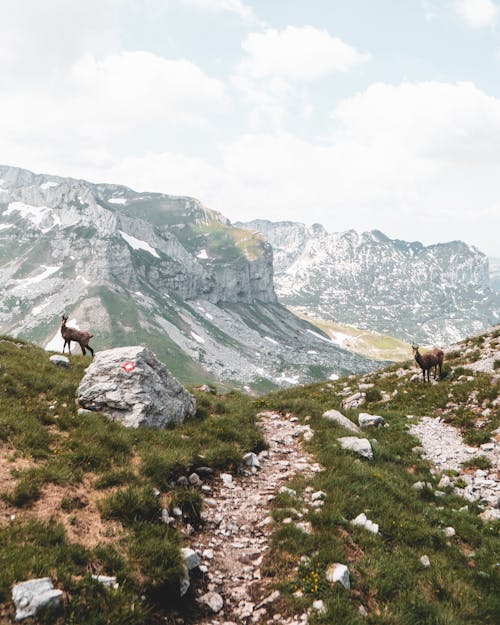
79	492
388	580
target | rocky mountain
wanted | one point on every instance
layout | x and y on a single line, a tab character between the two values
494	273
431	294
154	269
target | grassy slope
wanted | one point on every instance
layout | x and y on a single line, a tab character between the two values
63	475
368	343
462	584
101	470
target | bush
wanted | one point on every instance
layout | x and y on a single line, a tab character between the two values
479	462
189	501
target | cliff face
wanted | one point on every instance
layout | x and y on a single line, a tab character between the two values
152	268
437	293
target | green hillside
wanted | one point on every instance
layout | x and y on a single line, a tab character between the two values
78	498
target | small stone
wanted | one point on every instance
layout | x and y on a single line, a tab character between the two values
59	361
212	600
338	573
318	495
194	479
288	491
449	532
319	606
425	561
80	411
251	460
361	446
366	420
177	511
208	554
362	611
338	417
105	580
226	478
32	595
190	558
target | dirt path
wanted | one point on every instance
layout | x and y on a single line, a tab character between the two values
238	525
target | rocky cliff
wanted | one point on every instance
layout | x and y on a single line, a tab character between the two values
434	294
155	269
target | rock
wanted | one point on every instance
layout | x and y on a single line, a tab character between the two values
319	606
190	558
362	521
361	446
288	491
59	361
269	599
353	401
425	561
213	601
132	386
184	581
318	495
444	481
449	532
194	479
226	478
421	485
30	596
338	417
251	460
366	420
106	580
338	573
83	411
362	611
204	388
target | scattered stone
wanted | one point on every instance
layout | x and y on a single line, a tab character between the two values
361	446
132	386
318	495
269	599
449	532
338	417
106	580
319	606
195	480
204	388
213	601
82	411
226	478
288	491
444	482
366	420
362	521
338	573
353	401
190	558
251	460
362	611
59	361
425	561
32	595
421	485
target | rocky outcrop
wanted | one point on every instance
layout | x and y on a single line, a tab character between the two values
430	294
133	387
31	596
152	268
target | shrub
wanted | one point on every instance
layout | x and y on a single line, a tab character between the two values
479	462
189	501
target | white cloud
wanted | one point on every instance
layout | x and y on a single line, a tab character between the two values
244	11
294	53
477	13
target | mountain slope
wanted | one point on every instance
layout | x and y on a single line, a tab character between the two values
155	269
433	294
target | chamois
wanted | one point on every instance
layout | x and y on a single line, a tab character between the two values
72	334
434	358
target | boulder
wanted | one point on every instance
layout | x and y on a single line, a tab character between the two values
353	401
213	601
361	446
132	386
366	420
338	417
30	596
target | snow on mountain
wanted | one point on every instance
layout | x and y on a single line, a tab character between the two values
432	294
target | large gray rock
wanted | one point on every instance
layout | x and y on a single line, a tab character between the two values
30	596
133	387
338	417
361	446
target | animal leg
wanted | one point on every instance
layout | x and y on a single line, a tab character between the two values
83	348
91	350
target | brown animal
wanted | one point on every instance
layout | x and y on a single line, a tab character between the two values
434	358
72	334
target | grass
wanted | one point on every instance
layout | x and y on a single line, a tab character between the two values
387	578
47	443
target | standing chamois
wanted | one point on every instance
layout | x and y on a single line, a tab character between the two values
72	334
433	358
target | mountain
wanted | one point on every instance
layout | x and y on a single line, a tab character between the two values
494	273
431	294
154	269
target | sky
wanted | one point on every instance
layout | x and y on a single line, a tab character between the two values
363	114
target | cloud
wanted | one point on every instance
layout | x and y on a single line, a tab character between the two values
297	53
476	13
244	11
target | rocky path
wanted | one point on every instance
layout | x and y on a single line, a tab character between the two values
238	526
443	445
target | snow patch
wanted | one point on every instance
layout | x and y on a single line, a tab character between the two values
137	244
5	226
41	276
202	254
56	343
318	336
48	185
35	214
117	200
197	337
333	376
38	309
268	338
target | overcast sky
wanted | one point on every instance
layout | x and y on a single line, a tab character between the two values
361	114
